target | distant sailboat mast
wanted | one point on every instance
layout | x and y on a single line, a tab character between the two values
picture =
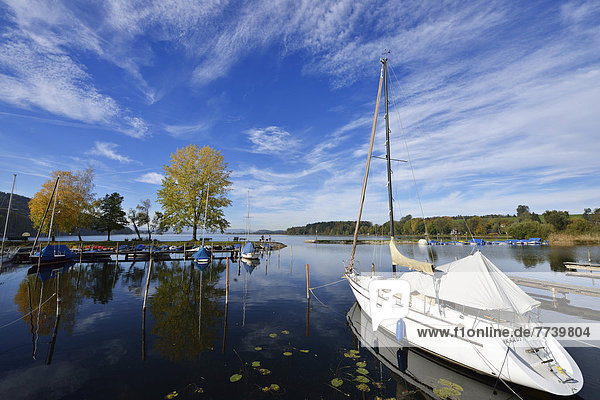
205	213
7	215
37	236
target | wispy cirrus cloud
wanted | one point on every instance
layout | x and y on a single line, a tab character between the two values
38	70
272	140
105	149
184	131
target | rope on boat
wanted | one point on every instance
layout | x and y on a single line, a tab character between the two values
325	305
29	313
327	284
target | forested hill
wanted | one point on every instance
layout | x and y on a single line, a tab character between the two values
18	221
329	228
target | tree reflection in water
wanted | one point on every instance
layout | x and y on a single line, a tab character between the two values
35	290
528	256
559	255
175	304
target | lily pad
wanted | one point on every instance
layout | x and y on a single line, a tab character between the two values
172	395
235	377
363	387
285	332
198	390
265	389
361	364
256	364
362	371
378	385
258	348
287	353
304	351
273	335
361	379
274	387
336	382
264	371
355	352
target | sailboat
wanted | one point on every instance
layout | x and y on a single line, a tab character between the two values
50	254
203	256
408	365
468	294
249	252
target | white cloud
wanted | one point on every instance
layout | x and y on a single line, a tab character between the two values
105	149
180	131
272	140
151	177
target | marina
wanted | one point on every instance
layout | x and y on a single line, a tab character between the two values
194	337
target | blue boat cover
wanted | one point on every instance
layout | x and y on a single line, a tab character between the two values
248	248
51	249
140	247
249	265
202	254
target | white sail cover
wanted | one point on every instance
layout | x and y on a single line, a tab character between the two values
400	259
472	281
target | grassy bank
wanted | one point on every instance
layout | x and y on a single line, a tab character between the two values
569	239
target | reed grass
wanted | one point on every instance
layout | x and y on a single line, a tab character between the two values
570	239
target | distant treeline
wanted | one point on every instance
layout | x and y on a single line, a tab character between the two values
525	224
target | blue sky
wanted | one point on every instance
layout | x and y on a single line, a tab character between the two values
498	102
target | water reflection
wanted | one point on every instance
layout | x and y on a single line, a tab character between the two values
559	255
528	256
186	309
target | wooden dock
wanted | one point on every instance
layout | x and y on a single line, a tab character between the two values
182	253
557	287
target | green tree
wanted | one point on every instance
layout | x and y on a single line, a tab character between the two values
143	212
578	225
132	216
523	212
558	219
110	215
595	217
185	186
529	229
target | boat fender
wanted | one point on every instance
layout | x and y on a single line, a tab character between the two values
400	330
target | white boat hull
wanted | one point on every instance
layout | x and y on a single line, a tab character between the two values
487	355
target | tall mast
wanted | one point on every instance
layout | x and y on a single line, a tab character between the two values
387	149
364	186
6	222
248	216
53	209
205	213
37	236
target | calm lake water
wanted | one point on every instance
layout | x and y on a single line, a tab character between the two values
189	343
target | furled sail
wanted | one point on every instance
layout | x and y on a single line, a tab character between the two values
400	259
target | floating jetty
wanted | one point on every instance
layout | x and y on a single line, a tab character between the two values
164	252
557	287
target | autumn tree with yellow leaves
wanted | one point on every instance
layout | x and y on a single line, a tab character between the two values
74	209
193	172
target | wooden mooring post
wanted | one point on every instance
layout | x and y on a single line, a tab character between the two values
227	283
307	282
